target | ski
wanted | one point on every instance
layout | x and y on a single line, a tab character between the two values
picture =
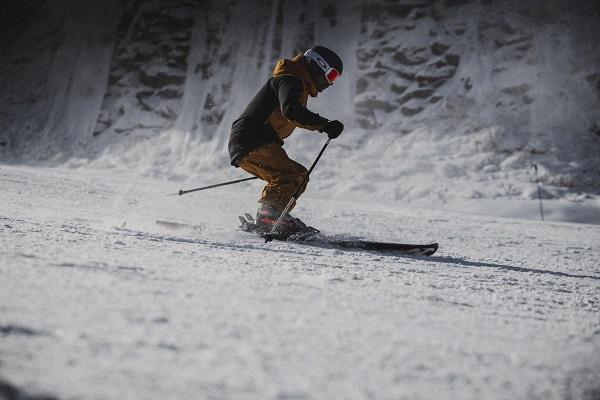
393	247
248	225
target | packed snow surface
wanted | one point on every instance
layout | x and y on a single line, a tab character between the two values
97	301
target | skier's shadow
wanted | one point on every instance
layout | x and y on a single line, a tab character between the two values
461	262
466	263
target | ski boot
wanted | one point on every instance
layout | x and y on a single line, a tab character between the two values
289	227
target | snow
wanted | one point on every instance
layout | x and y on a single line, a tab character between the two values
107	109
100	302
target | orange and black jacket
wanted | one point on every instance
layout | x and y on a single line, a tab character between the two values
277	109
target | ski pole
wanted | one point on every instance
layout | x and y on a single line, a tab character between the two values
269	236
539	187
182	192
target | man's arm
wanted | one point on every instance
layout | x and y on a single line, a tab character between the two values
289	89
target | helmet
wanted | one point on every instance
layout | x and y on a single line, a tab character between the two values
329	63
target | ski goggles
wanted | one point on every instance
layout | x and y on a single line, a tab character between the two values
331	74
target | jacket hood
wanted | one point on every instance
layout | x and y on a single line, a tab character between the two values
297	67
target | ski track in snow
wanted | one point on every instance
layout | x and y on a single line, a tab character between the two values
97	301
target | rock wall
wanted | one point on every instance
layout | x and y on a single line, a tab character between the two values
154	85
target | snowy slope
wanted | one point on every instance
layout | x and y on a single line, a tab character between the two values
108	107
99	302
447	103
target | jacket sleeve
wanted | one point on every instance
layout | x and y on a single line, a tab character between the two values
289	89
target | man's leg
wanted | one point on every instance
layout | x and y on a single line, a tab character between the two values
283	175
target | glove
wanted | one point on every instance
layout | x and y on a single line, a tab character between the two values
333	129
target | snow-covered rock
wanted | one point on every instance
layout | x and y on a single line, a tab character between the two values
440	99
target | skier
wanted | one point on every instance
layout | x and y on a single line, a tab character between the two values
256	138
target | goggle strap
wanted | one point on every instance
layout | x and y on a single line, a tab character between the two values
319	60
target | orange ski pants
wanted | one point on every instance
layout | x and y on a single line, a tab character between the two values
282	174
